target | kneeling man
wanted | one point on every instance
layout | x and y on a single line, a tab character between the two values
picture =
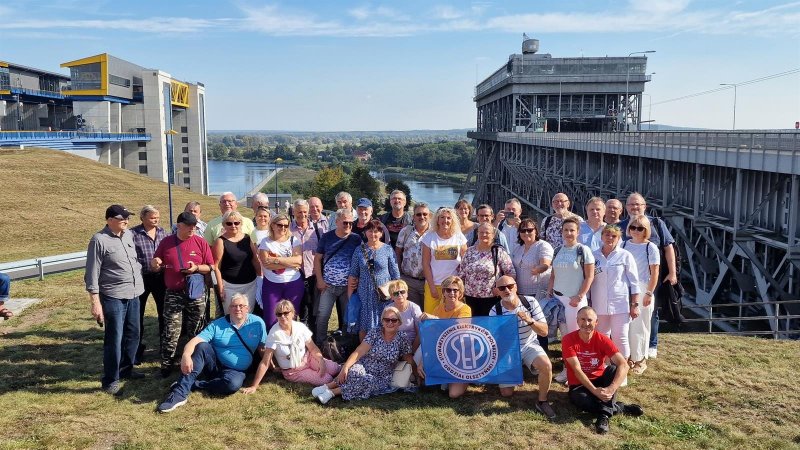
593	385
221	354
530	322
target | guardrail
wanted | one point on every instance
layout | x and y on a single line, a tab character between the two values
39	267
778	318
87	136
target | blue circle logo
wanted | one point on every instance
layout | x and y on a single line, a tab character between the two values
467	351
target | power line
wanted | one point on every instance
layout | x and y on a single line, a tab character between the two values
743	83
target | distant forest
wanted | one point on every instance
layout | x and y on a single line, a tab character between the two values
441	150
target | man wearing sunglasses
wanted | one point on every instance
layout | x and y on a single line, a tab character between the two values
409	253
331	269
530	323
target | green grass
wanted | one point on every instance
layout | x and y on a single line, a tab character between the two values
53	201
703	392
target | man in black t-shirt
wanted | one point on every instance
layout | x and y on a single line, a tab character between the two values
397	218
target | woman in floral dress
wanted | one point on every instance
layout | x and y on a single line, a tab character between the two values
381	258
369	369
482	265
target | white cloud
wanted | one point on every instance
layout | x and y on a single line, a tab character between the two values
166	25
381	12
446	12
659	6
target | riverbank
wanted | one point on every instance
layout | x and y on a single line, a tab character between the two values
293	180
428	175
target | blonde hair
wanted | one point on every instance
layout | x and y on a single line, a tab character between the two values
397	285
284	305
393	310
641	221
275	219
456	223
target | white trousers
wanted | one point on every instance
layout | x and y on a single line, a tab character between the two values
571	312
616	326
639	332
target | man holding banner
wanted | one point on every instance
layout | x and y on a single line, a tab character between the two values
482	350
530	322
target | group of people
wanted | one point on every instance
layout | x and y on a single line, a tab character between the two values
286	274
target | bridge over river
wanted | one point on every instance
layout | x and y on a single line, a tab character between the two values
732	200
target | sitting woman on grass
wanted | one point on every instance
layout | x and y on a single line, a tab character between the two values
369	369
299	359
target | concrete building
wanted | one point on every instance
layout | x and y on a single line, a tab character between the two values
536	92
112	111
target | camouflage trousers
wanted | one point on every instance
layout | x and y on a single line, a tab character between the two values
183	319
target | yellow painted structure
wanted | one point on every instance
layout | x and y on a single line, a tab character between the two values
103	60
180	94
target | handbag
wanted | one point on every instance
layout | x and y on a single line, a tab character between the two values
401	378
196	282
339	346
383	290
353	312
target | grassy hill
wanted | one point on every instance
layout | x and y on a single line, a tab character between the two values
52	202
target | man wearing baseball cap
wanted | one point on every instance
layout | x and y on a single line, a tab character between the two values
180	256
363	217
114	281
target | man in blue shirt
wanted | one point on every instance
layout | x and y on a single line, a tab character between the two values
221	354
331	268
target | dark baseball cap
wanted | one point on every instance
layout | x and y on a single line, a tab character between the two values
187	218
117	212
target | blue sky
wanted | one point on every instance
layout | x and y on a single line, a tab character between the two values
372	65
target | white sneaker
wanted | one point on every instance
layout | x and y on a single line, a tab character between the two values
318	390
561	377
326	396
652	352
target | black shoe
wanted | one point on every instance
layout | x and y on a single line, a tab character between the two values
133	375
632	410
601	426
139	355
545	408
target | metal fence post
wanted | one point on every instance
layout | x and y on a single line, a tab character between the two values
41	269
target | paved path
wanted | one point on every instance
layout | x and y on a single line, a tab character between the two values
17	305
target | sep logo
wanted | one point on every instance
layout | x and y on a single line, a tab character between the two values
467	351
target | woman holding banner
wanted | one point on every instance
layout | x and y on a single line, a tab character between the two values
451	307
369	369
442	248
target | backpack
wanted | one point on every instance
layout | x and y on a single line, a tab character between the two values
581	258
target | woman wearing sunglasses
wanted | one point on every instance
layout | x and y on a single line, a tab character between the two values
369	369
532	259
410	313
451	307
648	262
299	359
373	265
238	266
281	257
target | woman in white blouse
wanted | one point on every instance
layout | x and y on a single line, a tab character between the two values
299	359
615	289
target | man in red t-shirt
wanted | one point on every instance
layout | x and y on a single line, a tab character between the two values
593	385
179	256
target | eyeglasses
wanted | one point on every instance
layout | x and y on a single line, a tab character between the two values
635	228
239	306
637	204
421	214
450	290
282	225
526	230
506	287
281	314
398	293
390	320
233	224
227	201
347	224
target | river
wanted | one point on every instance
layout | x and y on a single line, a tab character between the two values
240	177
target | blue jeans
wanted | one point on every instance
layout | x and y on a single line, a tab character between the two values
5	287
219	380
333	295
121	336
654	329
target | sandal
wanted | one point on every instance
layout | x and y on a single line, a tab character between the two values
6	313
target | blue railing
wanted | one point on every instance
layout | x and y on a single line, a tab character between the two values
78	136
36	93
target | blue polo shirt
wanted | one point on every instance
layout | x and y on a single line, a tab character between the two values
229	348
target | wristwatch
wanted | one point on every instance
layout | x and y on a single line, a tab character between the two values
649	293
